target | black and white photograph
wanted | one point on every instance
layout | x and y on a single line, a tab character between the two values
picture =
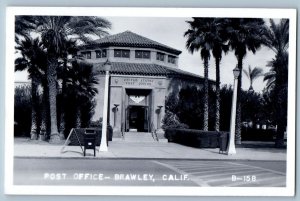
150	101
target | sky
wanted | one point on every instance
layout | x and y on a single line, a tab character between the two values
170	31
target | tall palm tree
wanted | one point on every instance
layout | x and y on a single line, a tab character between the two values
32	59
252	74
80	84
55	31
219	46
278	41
200	37
244	34
70	50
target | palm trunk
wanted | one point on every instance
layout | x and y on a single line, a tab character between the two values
51	77
62	121
217	121
33	132
78	117
62	124
44	114
238	125
205	118
281	105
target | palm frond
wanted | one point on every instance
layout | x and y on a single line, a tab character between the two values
256	72
246	72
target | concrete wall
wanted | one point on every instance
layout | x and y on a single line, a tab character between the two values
116	97
99	98
159	100
132	59
117	91
160	88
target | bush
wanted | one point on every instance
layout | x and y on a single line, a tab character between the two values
252	134
70	107
22	111
98	124
194	138
185	109
171	120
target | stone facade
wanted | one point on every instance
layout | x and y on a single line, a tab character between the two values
142	76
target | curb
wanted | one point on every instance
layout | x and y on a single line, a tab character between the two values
139	158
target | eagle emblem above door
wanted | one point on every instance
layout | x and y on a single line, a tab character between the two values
137	99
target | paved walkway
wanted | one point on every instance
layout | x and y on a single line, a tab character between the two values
25	147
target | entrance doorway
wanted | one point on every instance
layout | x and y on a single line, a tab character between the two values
138	118
138	106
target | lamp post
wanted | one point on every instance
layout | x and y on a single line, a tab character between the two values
103	144
231	147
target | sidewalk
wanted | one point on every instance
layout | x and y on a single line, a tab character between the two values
24	147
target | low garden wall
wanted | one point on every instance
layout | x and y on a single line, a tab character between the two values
253	134
195	138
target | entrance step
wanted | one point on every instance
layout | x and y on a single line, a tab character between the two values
138	137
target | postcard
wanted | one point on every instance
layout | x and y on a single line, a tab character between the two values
195	101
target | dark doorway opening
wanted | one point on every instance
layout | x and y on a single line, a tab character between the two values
138	118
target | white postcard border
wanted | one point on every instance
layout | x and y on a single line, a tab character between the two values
289	190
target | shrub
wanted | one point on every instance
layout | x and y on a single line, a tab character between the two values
185	109
98	124
73	141
253	134
194	138
171	120
70	107
22	111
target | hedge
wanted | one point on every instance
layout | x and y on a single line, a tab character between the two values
81	132
253	134
194	138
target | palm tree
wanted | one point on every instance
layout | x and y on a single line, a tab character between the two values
278	41
219	46
270	77
200	37
55	31
32	60
213	30
252	74
70	50
244	34
80	84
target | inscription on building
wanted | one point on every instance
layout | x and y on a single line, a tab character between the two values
136	82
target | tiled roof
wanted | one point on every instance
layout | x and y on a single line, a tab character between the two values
130	39
122	68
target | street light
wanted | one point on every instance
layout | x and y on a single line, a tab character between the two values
103	144
231	147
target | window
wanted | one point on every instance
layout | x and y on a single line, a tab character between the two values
160	56
171	59
86	55
101	54
142	54
122	53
